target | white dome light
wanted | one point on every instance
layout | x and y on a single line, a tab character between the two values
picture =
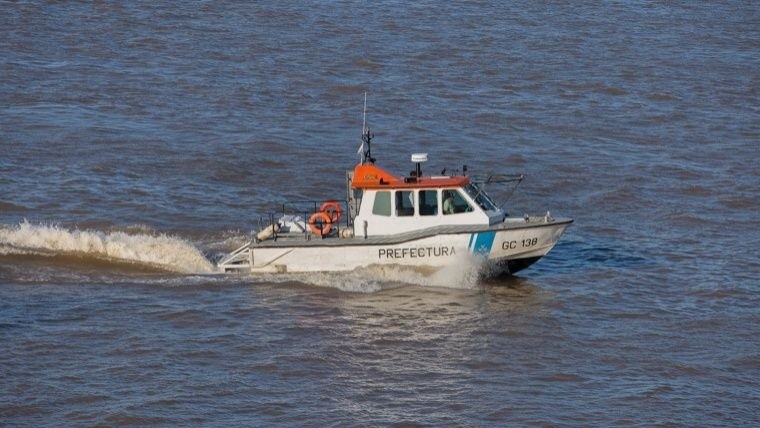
419	157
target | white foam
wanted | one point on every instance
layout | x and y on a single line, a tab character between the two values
167	252
463	274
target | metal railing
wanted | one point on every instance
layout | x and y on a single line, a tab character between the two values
304	209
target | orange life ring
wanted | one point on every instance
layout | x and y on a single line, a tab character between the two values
333	210
320	223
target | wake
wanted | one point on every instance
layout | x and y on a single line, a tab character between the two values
174	254
161	251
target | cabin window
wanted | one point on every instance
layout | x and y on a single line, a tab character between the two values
428	202
404	203
454	202
382	204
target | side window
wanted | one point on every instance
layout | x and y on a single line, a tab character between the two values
428	202
382	204
454	202
404	203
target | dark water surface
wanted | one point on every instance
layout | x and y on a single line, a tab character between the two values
137	141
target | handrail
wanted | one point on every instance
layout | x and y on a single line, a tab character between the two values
483	180
305	209
496	178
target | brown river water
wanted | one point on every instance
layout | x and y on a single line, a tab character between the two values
139	142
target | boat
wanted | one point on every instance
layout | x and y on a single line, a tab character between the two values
419	221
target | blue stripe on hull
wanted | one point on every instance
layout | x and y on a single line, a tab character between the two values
483	243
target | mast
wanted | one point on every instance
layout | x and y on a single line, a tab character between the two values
367	136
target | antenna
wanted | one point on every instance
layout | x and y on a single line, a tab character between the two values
366	137
364	123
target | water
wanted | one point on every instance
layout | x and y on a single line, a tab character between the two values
138	141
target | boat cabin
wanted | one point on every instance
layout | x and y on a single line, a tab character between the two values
384	204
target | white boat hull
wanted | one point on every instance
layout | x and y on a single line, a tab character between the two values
499	250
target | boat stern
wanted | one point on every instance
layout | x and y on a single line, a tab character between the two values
240	260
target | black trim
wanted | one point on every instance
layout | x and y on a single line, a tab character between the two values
520	264
506	268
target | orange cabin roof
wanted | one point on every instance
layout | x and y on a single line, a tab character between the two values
369	176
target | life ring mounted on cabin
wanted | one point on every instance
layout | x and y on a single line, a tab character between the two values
332	209
320	223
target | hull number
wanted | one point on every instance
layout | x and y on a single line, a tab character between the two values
525	243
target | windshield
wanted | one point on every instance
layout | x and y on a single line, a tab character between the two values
480	197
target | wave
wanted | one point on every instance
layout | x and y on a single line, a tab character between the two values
160	251
9	207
